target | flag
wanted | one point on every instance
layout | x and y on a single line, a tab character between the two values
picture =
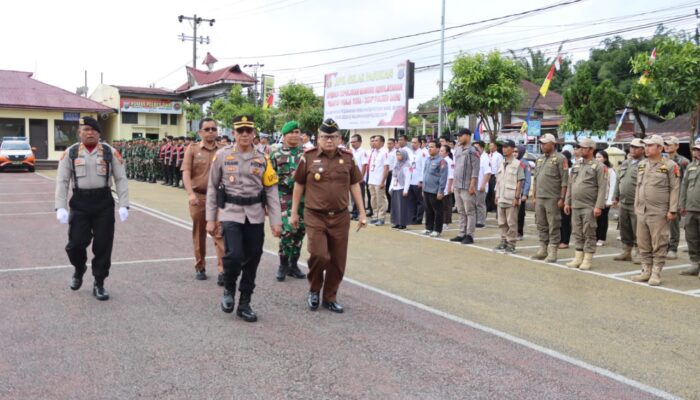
547	81
557	63
523	128
644	79
268	102
477	133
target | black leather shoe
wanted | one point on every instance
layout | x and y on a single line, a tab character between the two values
294	269
480	225
227	302
220	280
244	311
457	239
468	240
282	269
201	275
100	293
77	280
333	306
312	300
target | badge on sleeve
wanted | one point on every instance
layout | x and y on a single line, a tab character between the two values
317	176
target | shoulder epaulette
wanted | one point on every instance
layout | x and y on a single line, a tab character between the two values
310	149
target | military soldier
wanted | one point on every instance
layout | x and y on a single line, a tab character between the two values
690	209
509	183
671	145
551	180
285	159
656	205
244	184
90	165
625	191
585	200
324	177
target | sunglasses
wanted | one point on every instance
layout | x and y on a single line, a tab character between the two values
244	130
214	129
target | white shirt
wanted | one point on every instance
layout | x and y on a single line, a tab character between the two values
484	167
450	173
392	158
377	160
407	174
418	165
495	161
308	145
360	156
612	181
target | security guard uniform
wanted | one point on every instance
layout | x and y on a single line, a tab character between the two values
675	225
625	191
690	205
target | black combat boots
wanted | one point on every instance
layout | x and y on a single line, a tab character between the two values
244	311
294	268
283	268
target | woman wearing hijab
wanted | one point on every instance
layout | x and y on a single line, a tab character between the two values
400	184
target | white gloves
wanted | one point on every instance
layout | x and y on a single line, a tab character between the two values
62	216
123	214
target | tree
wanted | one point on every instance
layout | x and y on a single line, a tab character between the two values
674	78
537	67
236	103
485	85
588	106
299	102
193	112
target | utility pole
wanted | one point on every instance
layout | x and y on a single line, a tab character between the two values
442	69
255	75
202	40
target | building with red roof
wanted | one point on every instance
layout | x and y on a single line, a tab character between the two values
203	86
45	114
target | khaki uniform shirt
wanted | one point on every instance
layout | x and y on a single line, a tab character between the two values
626	187
198	159
90	171
588	185
690	189
327	179
658	187
510	172
551	176
245	175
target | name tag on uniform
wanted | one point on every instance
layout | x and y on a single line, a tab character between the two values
79	161
692	168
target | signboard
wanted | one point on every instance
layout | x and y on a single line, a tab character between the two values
268	88
152	106
71	116
372	97
534	128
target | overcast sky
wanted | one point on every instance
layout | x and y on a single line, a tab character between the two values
136	42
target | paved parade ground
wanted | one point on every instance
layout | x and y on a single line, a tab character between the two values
425	318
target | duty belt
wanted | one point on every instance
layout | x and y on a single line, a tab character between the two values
327	212
92	192
246	201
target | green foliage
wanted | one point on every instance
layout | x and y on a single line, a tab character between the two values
485	85
588	106
299	102
537	67
237	103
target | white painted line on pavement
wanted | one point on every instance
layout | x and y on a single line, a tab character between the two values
151	261
694	292
23	214
550	352
636	272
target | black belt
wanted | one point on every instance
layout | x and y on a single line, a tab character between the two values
327	212
92	192
246	201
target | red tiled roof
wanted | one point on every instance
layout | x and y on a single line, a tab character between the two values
545	124
551	102
144	90
19	90
230	73
209	59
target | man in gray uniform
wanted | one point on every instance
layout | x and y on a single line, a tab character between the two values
91	166
690	209
625	190
551	178
585	200
466	174
242	189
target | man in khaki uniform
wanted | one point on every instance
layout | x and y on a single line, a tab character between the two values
671	145
242	189
509	183
195	177
690	210
551	178
585	200
625	190
656	205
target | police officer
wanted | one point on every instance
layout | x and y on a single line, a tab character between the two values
466	174
91	166
585	200
285	159
324	177
690	209
551	180
656	205
671	145
625	191
248	190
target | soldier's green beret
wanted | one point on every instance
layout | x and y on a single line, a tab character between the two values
289	127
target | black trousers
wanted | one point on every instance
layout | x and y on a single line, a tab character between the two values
491	195
433	212
601	231
415	204
167	173
355	212
387	184
368	203
91	219
521	217
244	247
565	227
